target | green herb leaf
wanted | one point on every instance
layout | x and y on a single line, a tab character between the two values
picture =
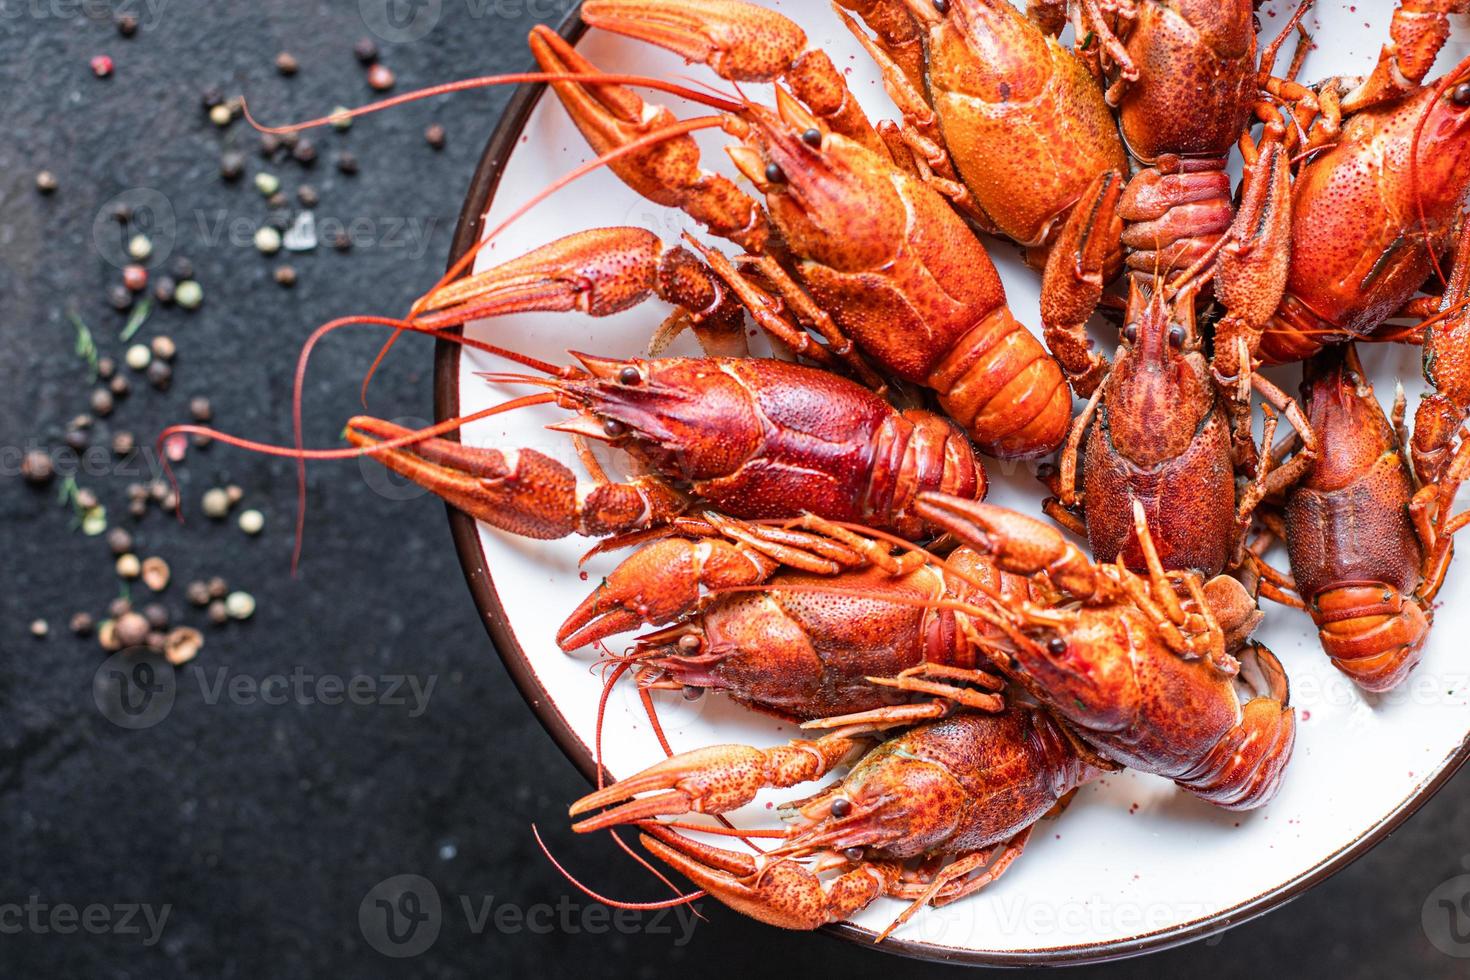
135	320
85	348
67	493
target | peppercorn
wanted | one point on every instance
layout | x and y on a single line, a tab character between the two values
132	629
37	467
120	541
381	77
232	165
160	374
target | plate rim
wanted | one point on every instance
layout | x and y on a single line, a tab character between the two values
465	532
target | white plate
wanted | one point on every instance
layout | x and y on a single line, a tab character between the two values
1133	864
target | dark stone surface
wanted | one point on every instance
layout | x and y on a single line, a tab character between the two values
264	826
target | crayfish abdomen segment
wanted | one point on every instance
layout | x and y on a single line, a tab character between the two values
1373	632
1175	212
1004	388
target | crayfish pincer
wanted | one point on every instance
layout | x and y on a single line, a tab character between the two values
1145	677
964	790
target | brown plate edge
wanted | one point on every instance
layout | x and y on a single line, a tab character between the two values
466	536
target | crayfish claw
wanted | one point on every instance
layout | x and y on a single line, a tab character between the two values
1019	544
714	779
740	41
517	490
657	584
781	894
599	272
776	891
667	172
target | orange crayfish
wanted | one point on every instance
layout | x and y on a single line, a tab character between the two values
861	250
1368	552
964	790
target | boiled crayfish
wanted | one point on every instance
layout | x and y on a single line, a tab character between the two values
966	790
1146	678
1159	437
861	250
813	646
1368	552
1375	209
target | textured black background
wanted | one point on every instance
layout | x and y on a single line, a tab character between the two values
265	826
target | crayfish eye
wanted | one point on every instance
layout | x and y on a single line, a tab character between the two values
774	174
1460	94
1056	646
629	375
841	807
942	6
1176	336
1130	333
812	137
689	643
613	428
692	693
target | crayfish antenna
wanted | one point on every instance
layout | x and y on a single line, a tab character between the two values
713	98
612	902
406	438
